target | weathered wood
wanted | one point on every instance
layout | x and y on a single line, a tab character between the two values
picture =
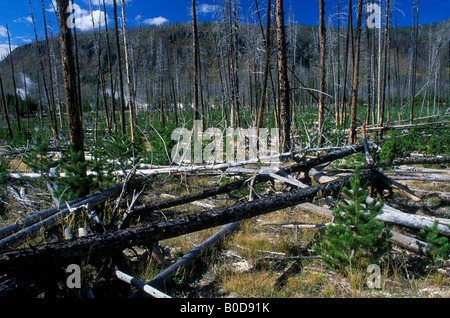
303	166
293	269
407	242
392	215
15	234
64	253
407	161
188	259
149	290
403	188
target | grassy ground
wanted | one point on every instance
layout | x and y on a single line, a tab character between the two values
250	262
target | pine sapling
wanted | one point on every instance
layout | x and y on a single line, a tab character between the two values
355	238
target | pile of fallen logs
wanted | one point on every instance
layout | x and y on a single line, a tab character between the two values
107	241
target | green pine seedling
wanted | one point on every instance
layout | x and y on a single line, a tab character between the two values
355	238
439	245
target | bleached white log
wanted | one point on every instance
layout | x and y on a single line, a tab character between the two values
139	284
392	215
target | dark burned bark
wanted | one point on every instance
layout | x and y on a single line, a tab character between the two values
285	108
63	254
76	133
304	166
408	161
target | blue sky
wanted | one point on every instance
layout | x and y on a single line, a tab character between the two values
16	14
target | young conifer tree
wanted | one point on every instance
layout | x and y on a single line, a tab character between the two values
355	238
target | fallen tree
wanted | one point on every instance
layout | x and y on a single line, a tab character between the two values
62	254
303	166
394	216
19	232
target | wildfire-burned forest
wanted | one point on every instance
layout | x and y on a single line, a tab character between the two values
247	155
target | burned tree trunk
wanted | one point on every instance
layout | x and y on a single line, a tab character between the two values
62	254
285	112
75	124
16	100
5	109
356	74
195	52
322	68
269	43
119	68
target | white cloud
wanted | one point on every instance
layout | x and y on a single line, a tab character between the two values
3	32
206	8
84	22
156	21
24	20
4	50
83	18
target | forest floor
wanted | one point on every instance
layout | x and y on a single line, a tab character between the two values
260	258
250	262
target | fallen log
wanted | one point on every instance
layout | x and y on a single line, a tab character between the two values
392	215
160	280
303	166
149	290
37	217
407	161
48	219
64	253
410	243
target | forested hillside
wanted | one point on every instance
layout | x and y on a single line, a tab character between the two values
161	66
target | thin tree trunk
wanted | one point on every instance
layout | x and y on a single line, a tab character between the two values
5	109
41	70
127	69
322	68
338	50
195	52
119	69
356	74
382	95
269	36
414	59
16	99
108	52
52	105
347	45
75	124
285	113
77	62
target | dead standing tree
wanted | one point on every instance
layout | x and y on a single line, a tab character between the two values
285	112
5	109
198	114
16	100
75	124
356	74
119	69
322	68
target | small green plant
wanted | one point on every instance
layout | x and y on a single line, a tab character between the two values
39	158
356	238
4	173
76	182
439	245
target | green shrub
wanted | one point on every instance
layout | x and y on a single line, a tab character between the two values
439	245
76	183
4	173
